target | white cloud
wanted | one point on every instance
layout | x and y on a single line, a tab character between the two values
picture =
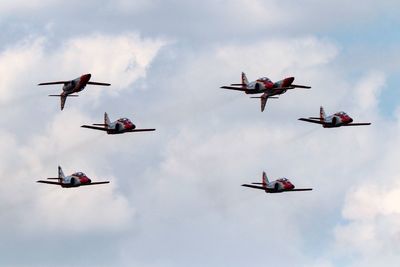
186	196
49	138
118	59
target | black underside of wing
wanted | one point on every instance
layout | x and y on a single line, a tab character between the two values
50	83
235	88
95	128
95	183
141	130
300	189
312	121
48	182
357	124
97	83
254	186
301	86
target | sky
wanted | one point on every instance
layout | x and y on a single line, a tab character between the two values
175	197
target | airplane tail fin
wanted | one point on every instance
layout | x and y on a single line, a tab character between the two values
263	102
107	121
322	113
63	98
265	180
61	175
245	82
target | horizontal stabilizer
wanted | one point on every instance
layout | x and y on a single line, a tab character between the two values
64	95
49	83
280	88
238	84
96	83
99	124
273	97
314	118
53	178
254	186
301	86
357	124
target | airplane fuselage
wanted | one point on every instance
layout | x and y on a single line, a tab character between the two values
279	186
75	180
76	85
120	126
262	85
337	120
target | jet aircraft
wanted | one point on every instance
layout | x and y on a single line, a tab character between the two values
336	120
119	126
74	180
277	186
264	86
73	86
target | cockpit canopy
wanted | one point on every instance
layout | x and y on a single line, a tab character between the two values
124	120
341	113
79	174
283	180
264	79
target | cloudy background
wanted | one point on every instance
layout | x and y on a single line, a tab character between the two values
175	197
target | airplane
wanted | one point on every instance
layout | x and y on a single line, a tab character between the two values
73	86
277	186
336	120
264	86
119	126
74	180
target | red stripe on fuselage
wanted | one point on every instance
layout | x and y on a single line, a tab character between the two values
84	79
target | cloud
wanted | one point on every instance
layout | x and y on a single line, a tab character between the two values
177	191
46	139
118	59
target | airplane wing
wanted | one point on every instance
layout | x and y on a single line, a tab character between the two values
236	88
49	83
254	186
300	189
301	86
95	128
49	182
141	130
311	120
96	83
357	124
95	183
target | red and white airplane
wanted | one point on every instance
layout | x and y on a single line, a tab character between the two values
264	86
119	126
336	120
74	180
277	186
73	86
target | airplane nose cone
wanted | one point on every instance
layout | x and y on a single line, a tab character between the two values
350	120
89	181
88	76
290	80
